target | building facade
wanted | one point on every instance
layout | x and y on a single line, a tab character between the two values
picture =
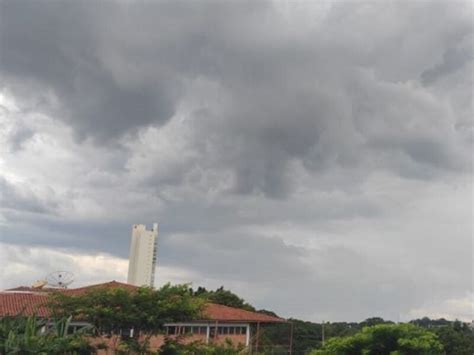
217	324
142	261
210	332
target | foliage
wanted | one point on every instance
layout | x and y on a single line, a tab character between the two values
144	310
381	339
306	336
267	312
172	347
20	335
373	321
426	322
224	297
457	339
274	338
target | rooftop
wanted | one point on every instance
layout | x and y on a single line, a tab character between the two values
13	303
29	301
222	313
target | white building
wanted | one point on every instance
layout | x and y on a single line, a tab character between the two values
142	261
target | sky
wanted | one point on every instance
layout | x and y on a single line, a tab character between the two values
313	157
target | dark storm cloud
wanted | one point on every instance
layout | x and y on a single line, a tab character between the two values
55	232
119	67
115	67
307	150
54	46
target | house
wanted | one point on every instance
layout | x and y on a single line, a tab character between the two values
217	324
220	323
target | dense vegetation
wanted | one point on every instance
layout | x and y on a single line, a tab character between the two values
110	311
145	310
385	339
456	337
28	335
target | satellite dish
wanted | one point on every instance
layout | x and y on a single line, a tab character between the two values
60	279
39	284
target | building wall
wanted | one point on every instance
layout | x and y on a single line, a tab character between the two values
210	332
142	261
156	341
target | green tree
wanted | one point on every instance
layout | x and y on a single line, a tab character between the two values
385	339
373	321
224	297
306	336
145	310
456	340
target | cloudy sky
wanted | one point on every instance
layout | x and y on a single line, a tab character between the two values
313	157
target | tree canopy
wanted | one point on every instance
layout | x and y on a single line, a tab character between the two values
145	310
385	339
457	339
224	297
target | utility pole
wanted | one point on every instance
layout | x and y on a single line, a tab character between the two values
322	333
290	352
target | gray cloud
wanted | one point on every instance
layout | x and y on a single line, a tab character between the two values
20	136
274	146
24	200
287	97
57	48
274	260
453	59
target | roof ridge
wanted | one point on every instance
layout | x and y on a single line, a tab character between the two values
239	313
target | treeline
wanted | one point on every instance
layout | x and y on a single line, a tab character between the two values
456	337
110	311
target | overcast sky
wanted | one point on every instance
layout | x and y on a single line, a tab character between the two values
313	157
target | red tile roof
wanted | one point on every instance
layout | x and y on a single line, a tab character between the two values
26	303
223	313
30	301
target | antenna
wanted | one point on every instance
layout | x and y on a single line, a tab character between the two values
60	279
39	284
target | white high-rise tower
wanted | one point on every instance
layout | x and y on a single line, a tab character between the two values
142	261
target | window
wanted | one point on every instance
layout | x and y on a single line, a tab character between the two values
199	330
172	330
212	332
230	330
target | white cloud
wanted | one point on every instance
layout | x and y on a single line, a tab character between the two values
454	308
22	266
